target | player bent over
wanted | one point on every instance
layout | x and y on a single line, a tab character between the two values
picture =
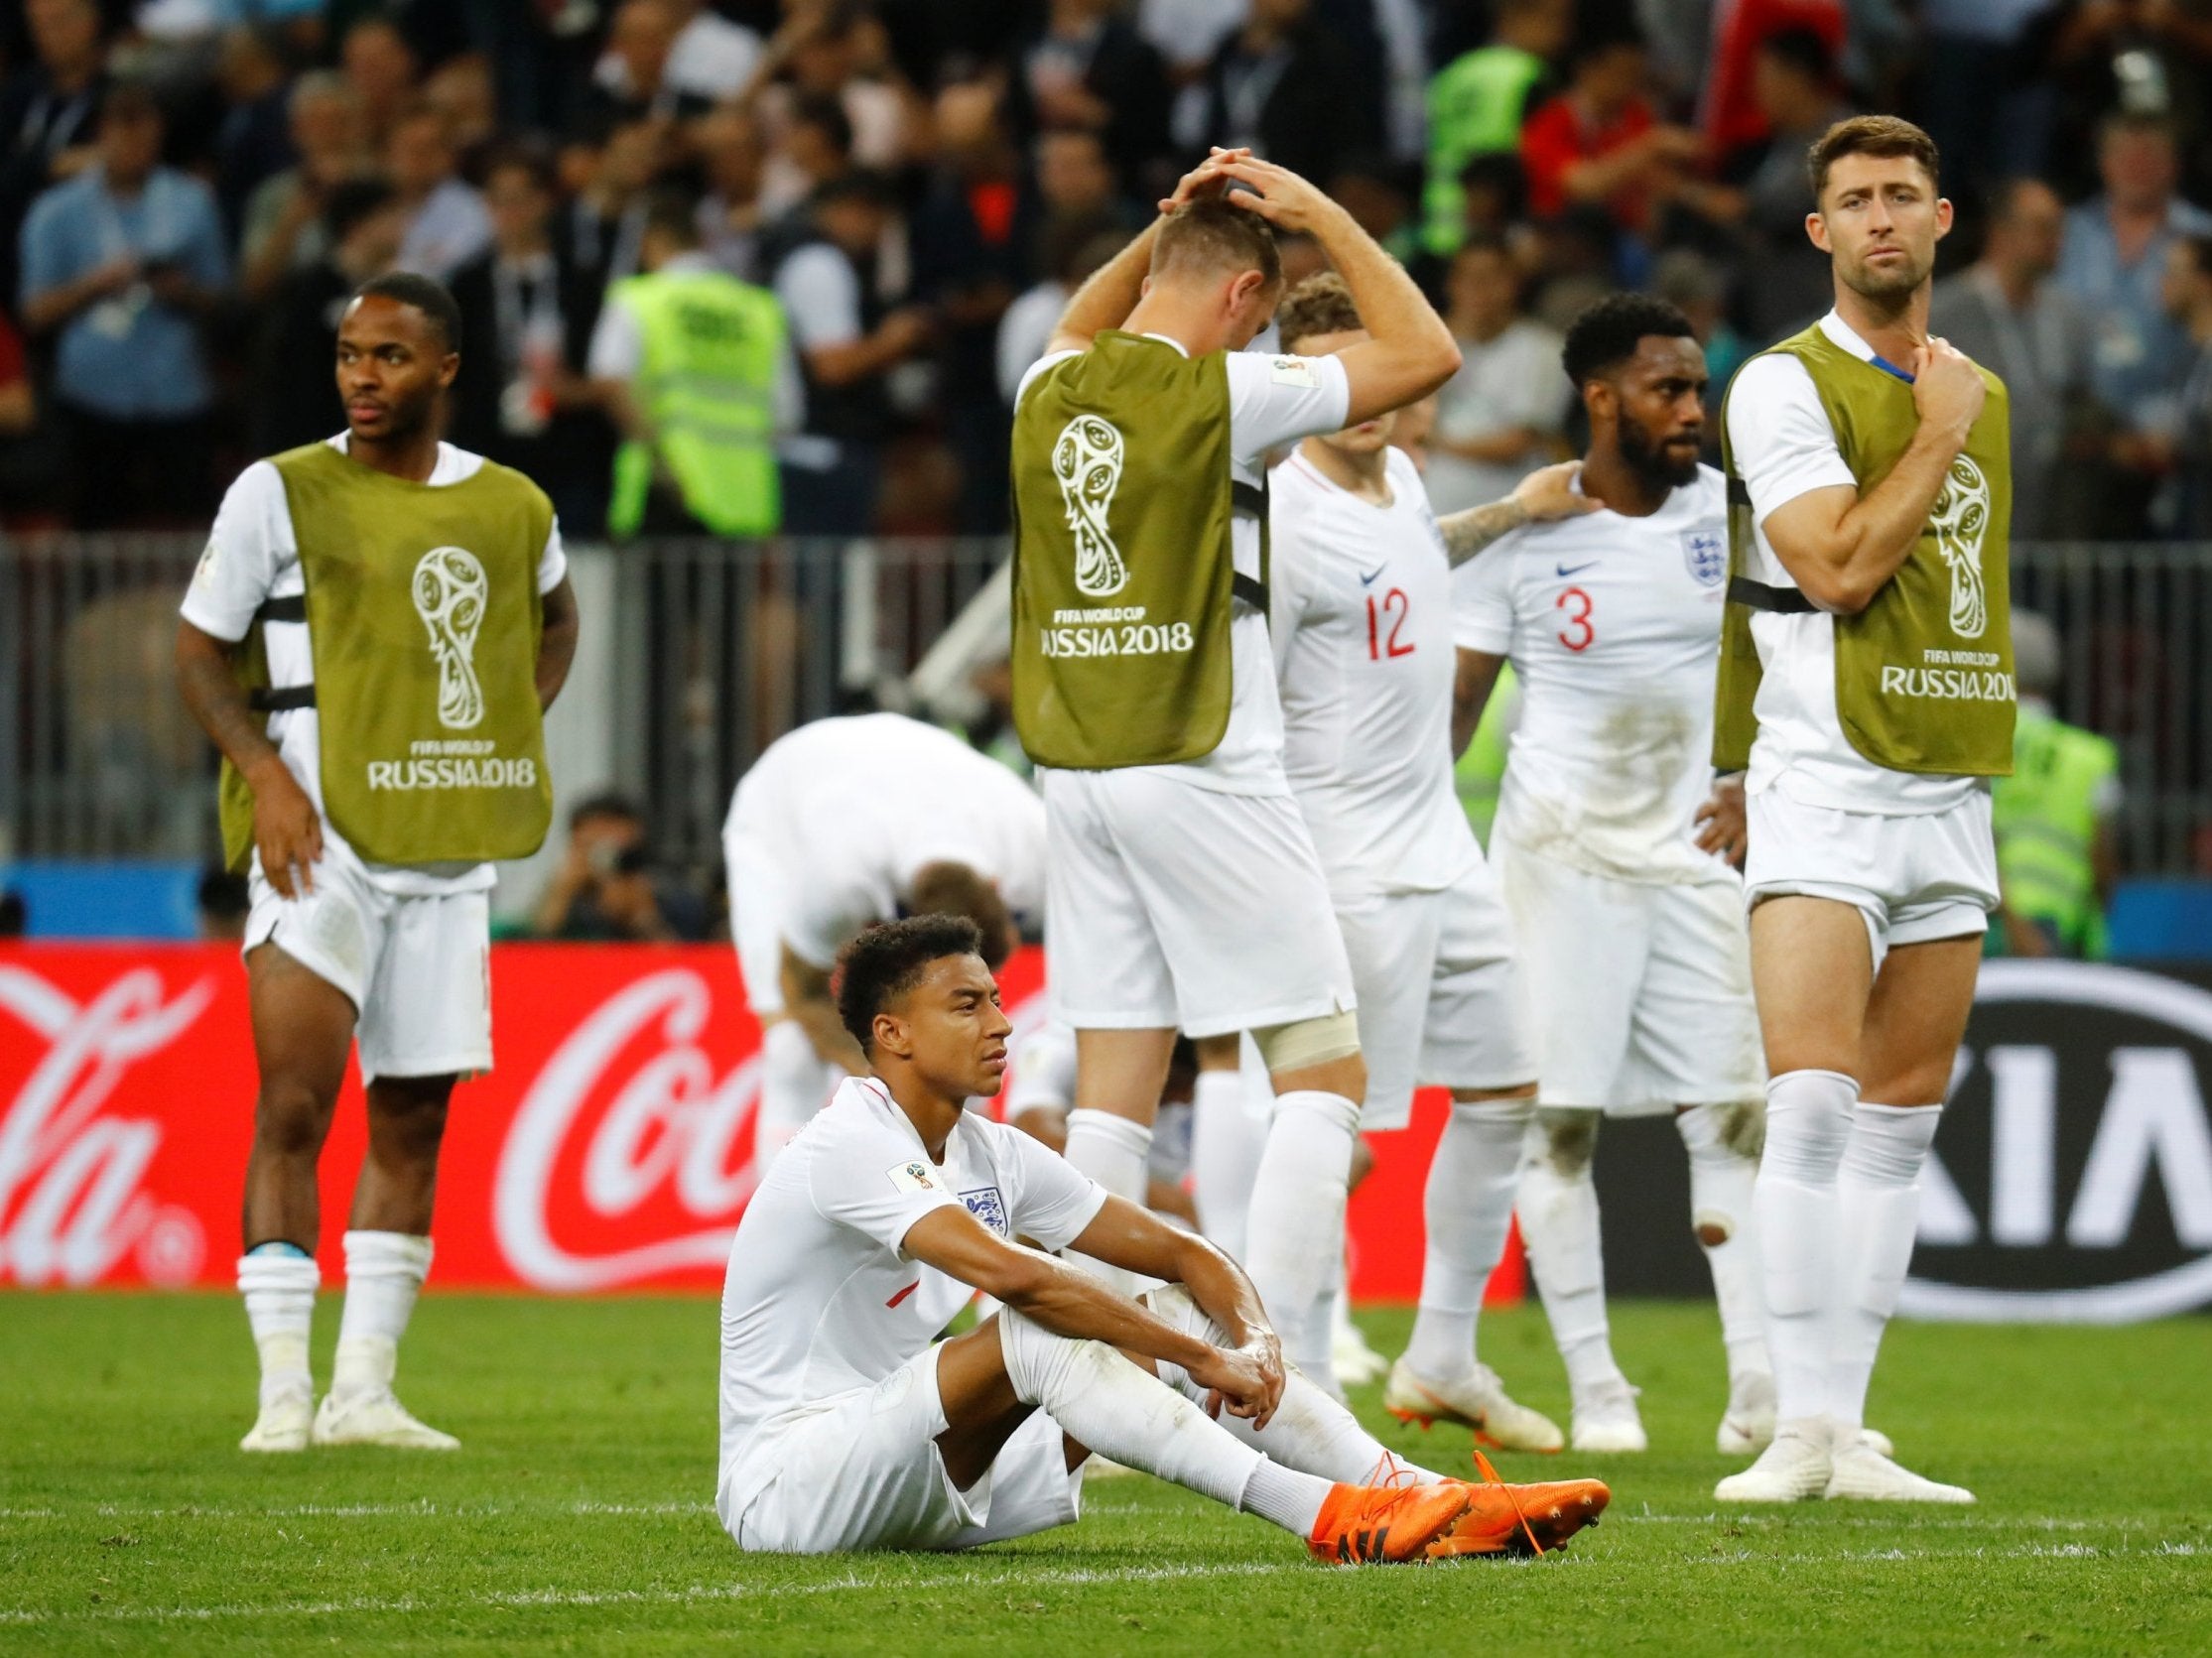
373	632
1182	888
1361	628
1867	674
1630	930
846	822
844	1425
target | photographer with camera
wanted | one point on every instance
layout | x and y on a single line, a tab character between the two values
603	891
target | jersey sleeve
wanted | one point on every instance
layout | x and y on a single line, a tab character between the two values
1288	588
1482	599
1051	1202
239	567
818	918
553	562
874	1180
1779	437
1274	400
1030	375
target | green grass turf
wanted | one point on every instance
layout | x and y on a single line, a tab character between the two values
577	1517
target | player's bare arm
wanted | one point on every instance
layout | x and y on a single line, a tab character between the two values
286	830
808	999
1842	548
1069	1301
1408	352
556	642
1472	679
1546	495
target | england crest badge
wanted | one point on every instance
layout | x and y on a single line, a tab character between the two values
1705	551
986	1205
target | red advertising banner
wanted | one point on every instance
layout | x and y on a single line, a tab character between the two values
609	1149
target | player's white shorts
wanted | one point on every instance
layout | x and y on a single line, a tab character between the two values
1171	905
863	1472
1459	1023
1913	877
1640	992
418	971
756	887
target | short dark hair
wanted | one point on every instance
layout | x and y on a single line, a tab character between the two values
530	155
955	889
1870	135
1321	305
1209	235
1606	334
424	294
1803	49
605	804
821	109
351	202
887	960
673	215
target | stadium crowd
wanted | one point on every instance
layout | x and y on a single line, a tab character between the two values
189	186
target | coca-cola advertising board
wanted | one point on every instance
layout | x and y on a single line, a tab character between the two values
609	1149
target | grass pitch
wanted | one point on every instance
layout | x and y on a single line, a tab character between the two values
577	1517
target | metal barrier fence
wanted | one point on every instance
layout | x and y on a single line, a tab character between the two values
718	647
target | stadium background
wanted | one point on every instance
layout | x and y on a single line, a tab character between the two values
988	149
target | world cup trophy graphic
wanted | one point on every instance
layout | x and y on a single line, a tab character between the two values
1088	463
1959	519
449	591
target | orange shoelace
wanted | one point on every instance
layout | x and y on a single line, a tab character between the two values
1481	1465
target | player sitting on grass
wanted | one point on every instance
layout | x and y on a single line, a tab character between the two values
845	1426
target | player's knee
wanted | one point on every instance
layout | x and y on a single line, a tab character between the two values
408	1119
290	1118
1567	1139
1175	1307
1333	1040
1047	1370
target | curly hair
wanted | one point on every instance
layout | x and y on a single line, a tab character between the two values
1321	305
887	960
1605	334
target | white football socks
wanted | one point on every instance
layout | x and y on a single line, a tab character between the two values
1114	1151
792	1090
1227	1133
1721	1180
1877	1212
1794	1207
1559	1225
279	1291
383	1273
1291	1500
1294	1237
1468	1206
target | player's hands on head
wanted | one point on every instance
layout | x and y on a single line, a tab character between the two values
1247	1381
1278	195
1204	179
1947	388
1549	493
286	831
1721	823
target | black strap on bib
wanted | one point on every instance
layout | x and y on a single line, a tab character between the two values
1739	492
1247	500
264	698
1757	596
292	609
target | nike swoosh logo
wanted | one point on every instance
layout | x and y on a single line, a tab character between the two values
1368	579
1576	570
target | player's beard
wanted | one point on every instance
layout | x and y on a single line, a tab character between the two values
1651	462
1886	288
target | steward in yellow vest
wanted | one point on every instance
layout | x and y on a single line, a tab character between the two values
2053	816
696	362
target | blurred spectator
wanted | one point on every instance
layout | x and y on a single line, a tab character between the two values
50	110
2188	447
632	78
528	312
1074	178
848	341
283	221
1599	143
1478	101
604	891
834	52
120	263
2005	313
609	184
462	92
1794	83
447	224
253	143
1501	416
222	905
2114	263
1695	286
294	394
32	454
1989	111
1732	115
15	914
383	70
696	369
969	264
688	50
1375	192
731	221
1289	88
814	145
1088	69
1071	249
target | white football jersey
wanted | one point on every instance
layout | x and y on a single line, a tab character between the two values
1361	624
1612	625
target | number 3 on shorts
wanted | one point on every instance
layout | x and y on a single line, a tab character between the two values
1576	604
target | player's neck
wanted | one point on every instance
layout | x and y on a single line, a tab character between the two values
933	1116
1365	475
1167	312
413	456
1895	329
1608	479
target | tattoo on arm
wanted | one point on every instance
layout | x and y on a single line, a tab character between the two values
1468	533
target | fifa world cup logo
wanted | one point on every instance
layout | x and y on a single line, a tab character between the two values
1088	463
450	592
1960	518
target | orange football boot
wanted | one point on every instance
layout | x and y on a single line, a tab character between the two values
1502	1519
1391	1520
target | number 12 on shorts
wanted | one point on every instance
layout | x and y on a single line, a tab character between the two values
1575	605
1394	609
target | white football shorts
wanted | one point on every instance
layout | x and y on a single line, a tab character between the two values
1170	905
1913	877
1461	1023
1640	992
862	1472
417	969
756	886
